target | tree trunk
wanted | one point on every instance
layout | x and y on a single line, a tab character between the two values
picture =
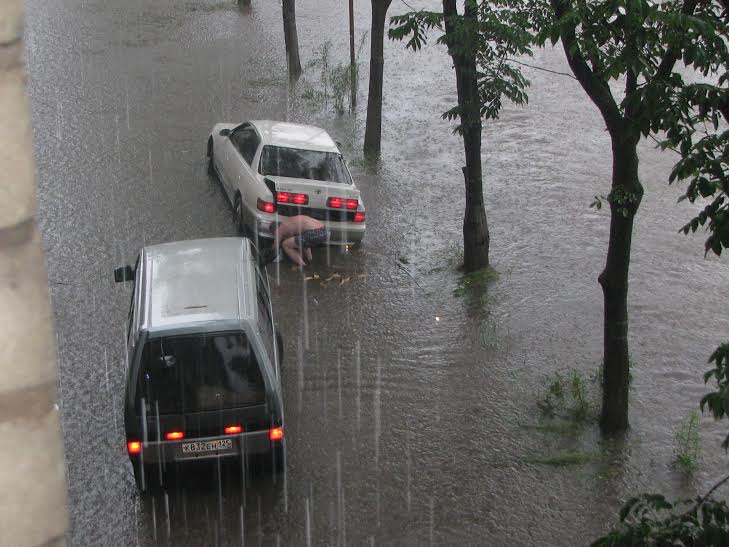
352	62
373	129
31	460
625	198
475	226
291	39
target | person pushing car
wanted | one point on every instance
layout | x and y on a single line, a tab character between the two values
297	235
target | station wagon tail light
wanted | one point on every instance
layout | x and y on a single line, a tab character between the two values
342	203
233	430
174	435
265	206
134	447
275	433
288	197
359	217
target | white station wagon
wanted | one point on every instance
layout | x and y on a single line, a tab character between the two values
274	169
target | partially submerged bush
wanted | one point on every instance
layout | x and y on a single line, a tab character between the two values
566	397
687	443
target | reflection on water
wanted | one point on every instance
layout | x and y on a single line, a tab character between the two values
410	397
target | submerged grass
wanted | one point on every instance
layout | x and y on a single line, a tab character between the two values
564	459
561	427
566	397
474	281
338	81
687	445
455	253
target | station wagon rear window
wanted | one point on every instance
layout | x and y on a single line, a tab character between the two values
278	161
199	373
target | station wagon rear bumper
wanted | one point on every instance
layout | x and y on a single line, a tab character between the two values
349	233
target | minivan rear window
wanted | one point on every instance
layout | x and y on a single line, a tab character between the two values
199	373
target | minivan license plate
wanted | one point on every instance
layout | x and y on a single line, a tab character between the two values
207	446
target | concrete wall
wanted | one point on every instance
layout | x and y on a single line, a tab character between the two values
32	485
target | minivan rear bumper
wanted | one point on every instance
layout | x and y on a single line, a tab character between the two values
255	442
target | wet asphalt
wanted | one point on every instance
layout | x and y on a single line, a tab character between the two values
410	398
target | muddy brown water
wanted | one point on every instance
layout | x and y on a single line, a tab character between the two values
410	409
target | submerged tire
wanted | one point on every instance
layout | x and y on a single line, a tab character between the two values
280	346
275	460
240	224
147	478
279	459
211	165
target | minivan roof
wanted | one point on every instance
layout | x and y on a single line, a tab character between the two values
198	281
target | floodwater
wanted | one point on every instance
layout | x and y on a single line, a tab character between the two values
410	404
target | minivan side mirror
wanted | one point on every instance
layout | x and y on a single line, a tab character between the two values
224	132
125	273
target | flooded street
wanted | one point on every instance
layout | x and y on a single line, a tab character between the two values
411	399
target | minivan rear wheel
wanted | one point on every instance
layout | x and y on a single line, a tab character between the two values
274	461
280	346
151	481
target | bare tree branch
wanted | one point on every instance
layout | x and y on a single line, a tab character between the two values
713	489
541	68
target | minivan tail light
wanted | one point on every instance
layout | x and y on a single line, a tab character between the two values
174	435
134	447
289	197
233	430
275	433
352	204
359	217
265	206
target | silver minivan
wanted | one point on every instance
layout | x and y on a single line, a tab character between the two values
203	378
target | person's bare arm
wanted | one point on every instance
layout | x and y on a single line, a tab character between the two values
277	239
281	235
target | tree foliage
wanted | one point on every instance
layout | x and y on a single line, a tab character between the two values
654	69
650	519
498	33
636	44
640	41
718	401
